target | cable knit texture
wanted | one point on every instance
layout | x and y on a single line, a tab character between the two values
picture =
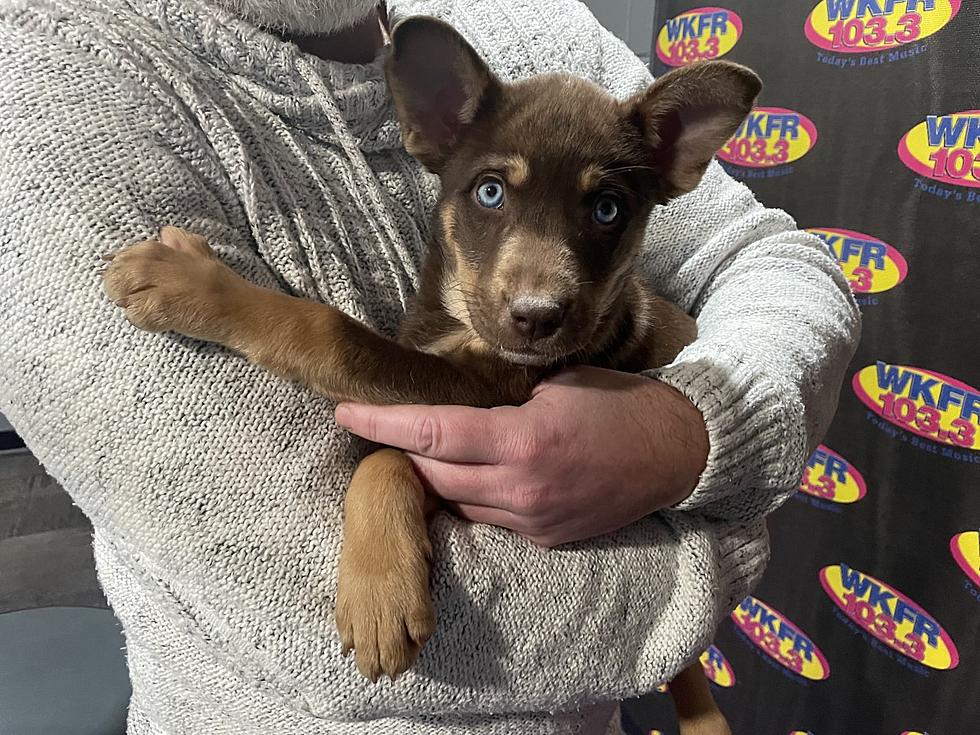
215	489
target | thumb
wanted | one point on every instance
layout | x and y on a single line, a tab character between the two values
448	433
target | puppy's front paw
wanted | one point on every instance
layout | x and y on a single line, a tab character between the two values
384	609
172	284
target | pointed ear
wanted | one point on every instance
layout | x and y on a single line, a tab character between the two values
438	82
688	114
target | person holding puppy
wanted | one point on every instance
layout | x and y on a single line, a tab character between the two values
215	489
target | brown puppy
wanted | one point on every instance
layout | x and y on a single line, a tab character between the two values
547	185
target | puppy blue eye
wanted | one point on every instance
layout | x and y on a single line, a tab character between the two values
490	193
606	210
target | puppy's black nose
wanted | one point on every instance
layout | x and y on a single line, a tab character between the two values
536	317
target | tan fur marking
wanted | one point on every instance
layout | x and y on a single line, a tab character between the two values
517	169
461	277
447	218
462	341
527	262
455	302
589	177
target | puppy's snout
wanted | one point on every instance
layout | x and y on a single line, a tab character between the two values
536	317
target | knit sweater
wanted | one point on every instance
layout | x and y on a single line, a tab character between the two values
215	489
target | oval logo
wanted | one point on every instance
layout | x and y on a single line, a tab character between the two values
889	616
945	148
777	637
860	26
966	551
923	402
717	668
770	136
702	33
870	265
829	476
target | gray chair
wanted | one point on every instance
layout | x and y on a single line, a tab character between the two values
62	672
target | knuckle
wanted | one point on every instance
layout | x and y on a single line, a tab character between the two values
527	449
428	435
531	502
371	426
532	448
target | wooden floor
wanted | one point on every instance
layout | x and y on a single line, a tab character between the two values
45	541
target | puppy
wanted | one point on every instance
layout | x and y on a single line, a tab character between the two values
547	186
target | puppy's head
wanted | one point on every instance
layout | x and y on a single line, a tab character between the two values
547	184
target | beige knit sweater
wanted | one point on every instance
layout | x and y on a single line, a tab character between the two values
215	489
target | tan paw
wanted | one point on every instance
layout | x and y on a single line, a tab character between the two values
172	284
384	608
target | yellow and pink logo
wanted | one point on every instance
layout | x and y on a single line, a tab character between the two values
863	26
770	136
923	402
702	33
771	632
717	668
945	148
829	476
888	615
965	548
870	265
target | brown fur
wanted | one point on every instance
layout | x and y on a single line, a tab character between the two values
557	145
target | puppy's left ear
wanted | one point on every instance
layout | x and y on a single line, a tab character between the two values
439	83
688	114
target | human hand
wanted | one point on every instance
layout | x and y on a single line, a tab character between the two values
591	452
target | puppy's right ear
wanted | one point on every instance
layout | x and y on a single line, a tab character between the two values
438	83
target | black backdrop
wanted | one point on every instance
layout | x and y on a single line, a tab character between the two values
875	571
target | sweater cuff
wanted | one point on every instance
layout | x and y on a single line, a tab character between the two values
756	434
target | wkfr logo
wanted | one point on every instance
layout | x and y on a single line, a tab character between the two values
702	33
923	402
890	616
870	265
945	148
770	136
829	476
777	637
865	26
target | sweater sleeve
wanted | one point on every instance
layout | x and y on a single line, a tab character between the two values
776	320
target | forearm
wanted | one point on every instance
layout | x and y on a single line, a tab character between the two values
777	328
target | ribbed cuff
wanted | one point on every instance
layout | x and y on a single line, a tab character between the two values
756	434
